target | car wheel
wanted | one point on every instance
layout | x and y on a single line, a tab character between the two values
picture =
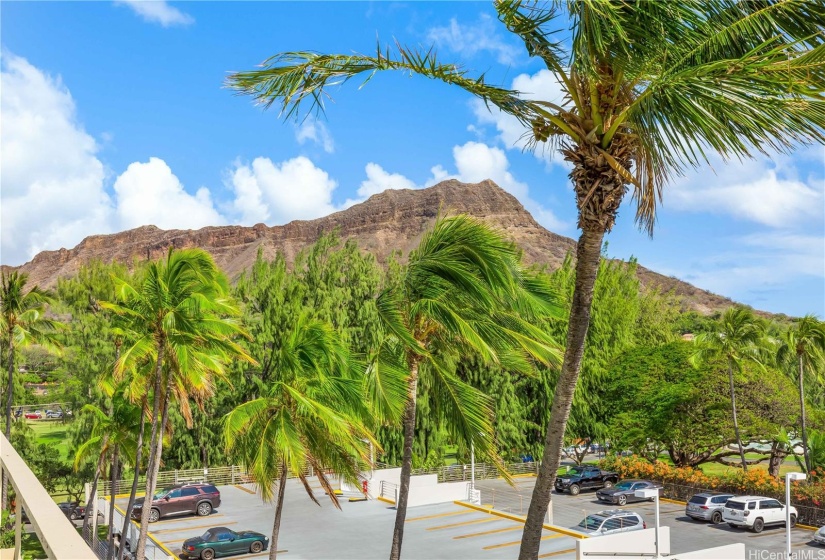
207	554
73	515
256	547
622	500
716	517
758	525
793	520
574	489
204	508
608	483
154	515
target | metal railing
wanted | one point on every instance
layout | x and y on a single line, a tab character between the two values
461	473
57	534
388	490
214	475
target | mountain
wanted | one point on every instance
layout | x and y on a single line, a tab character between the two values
390	221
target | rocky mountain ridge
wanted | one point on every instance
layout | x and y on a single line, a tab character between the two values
390	221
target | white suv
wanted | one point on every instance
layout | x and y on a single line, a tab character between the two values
611	521
755	512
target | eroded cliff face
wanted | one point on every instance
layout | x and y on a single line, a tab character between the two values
391	221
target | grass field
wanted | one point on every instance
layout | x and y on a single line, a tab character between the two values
53	433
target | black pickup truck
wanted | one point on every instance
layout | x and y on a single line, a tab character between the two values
584	478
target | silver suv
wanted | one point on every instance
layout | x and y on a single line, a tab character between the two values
610	521
707	506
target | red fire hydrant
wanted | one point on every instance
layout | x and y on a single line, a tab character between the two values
364	486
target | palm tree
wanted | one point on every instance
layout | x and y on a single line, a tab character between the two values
311	414
22	323
462	292
181	319
112	437
649	89
740	337
804	344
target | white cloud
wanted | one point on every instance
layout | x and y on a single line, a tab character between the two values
52	192
542	86
762	191
469	40
379	180
158	11
149	193
280	192
316	131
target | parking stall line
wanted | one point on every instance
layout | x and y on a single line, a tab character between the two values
491	532
436	515
247	490
557	553
514	543
462	523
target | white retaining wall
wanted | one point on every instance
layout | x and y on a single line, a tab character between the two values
424	489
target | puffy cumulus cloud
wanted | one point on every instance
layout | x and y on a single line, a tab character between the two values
510	132
311	129
158	11
149	193
379	180
280	192
470	39
52	193
765	191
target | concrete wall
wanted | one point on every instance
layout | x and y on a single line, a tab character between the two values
424	489
727	552
642	543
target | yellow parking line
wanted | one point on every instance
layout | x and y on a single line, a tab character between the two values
462	523
482	533
557	553
247	490
460	512
191	527
514	543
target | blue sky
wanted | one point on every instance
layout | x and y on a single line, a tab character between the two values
114	116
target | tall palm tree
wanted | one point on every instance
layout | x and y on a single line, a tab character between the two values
112	437
803	345
22	323
462	291
311	414
181	318
740	337
649	89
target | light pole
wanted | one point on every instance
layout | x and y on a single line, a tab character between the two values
648	493
472	465
788	478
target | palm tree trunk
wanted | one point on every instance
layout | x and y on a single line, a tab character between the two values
113	481
153	464
805	452
131	503
279	508
92	493
735	421
4	500
406	463
588	254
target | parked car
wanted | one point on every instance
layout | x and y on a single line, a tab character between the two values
585	477
756	512
32	416
54	414
819	536
609	522
72	510
707	506
625	491
179	499
220	541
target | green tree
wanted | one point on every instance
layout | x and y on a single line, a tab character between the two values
310	415
803	345
181	319
649	89
739	337
462	291
22	323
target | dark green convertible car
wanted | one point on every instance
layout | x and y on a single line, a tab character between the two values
220	541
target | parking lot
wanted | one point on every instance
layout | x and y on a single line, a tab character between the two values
448	530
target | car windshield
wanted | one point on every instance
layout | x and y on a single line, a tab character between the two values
206	536
576	470
735	505
591	523
624	485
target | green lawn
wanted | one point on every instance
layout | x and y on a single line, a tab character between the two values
53	433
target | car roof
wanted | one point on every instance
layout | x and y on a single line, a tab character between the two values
219	530
749	498
712	494
615	513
